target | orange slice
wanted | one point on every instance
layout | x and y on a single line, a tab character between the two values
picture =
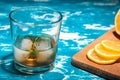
93	57
106	54
117	22
111	45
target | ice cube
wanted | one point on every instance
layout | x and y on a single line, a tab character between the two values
26	44
20	55
42	43
44	55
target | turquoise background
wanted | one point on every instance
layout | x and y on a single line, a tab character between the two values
83	22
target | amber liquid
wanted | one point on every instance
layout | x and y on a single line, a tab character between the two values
34	51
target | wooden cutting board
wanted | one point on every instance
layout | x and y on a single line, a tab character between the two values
111	71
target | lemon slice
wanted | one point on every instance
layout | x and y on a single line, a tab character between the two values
117	22
106	54
93	57
111	45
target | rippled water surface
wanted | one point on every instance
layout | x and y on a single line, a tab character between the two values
83	22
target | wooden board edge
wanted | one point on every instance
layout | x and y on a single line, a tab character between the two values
96	71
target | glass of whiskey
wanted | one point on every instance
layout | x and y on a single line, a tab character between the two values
35	34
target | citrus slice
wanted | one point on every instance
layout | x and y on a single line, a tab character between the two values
111	45
117	22
93	57
106	54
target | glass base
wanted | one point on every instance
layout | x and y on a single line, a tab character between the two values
33	70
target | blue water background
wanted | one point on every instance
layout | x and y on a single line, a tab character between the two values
83	22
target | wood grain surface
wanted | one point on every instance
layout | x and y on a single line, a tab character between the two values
111	71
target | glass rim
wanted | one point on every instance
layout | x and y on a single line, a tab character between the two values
35	7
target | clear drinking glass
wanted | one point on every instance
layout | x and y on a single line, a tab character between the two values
35	33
